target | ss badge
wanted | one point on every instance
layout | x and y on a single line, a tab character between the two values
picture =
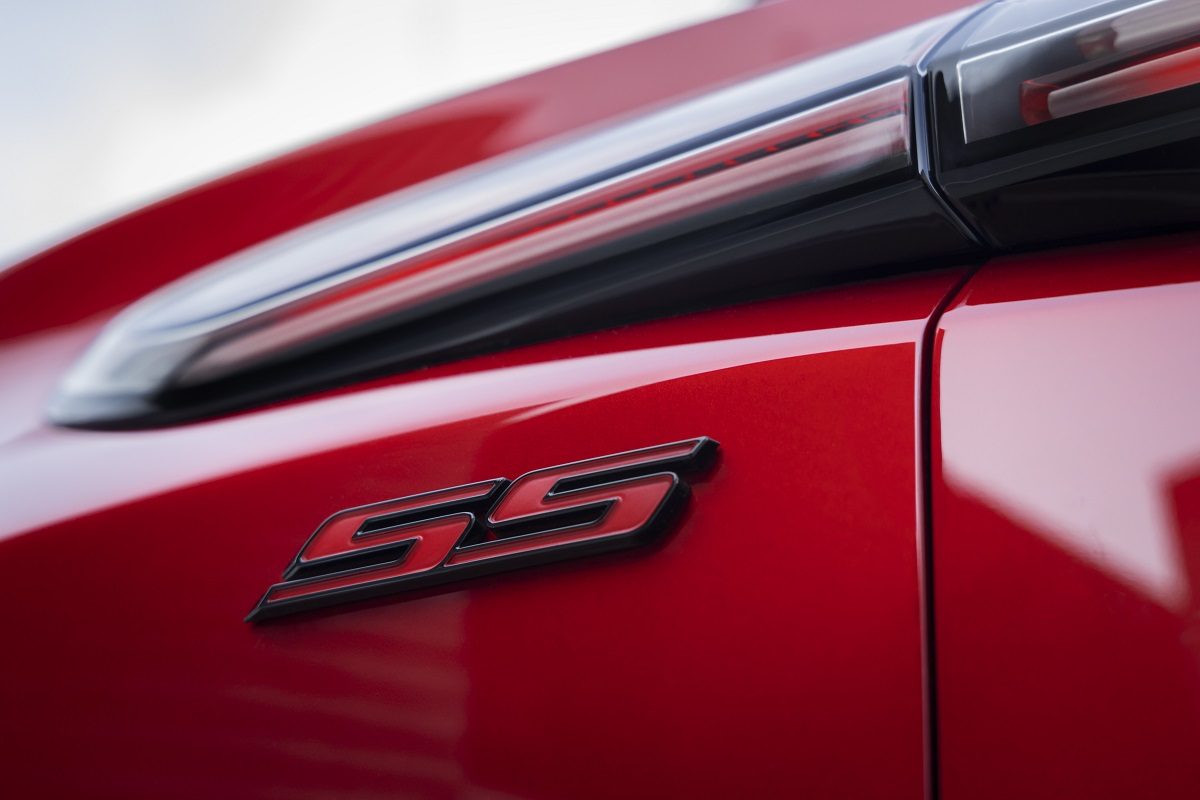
576	509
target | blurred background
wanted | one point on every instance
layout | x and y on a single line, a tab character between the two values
109	104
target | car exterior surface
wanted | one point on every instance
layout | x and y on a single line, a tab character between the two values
938	350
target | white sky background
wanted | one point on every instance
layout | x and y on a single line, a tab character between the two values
104	105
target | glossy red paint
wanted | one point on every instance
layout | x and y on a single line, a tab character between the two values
771	645
1066	502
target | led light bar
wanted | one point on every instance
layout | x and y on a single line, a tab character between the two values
627	217
846	135
1054	120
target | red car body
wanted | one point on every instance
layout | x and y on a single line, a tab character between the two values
946	547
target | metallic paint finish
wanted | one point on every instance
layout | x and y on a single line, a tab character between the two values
1066	500
771	645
